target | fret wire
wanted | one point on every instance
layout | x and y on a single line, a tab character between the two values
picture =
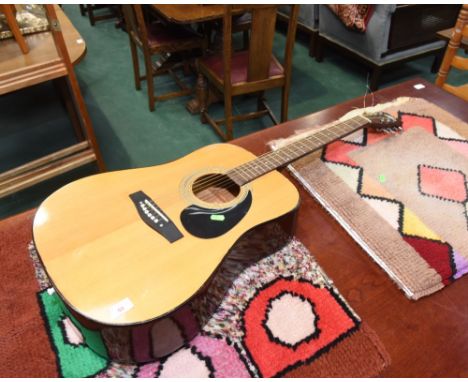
300	148
254	167
321	133
315	137
241	168
286	154
261	164
236	173
289	150
248	169
273	159
282	151
301	144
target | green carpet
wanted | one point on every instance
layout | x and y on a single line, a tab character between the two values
33	122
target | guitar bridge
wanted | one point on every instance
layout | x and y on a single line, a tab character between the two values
154	217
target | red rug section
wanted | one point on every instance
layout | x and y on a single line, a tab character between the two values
24	346
435	253
272	357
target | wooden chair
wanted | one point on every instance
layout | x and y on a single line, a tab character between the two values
249	71
163	39
38	69
9	11
113	11
460	31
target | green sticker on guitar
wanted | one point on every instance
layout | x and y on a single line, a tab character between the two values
218	218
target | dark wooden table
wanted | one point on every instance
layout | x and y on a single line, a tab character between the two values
425	338
192	13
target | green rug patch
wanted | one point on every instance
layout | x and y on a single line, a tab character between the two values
74	358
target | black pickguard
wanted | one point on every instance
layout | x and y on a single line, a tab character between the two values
207	223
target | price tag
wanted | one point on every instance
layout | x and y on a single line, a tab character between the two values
121	307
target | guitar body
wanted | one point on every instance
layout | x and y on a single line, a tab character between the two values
129	251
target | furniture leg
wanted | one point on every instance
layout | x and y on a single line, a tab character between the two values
260	100
63	90
203	97
284	103
313	43
375	78
186	63
228	115
136	64
82	10
89	9
83	111
194	105
9	12
437	61
150	82
319	50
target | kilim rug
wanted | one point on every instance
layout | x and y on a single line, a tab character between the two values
402	197
281	316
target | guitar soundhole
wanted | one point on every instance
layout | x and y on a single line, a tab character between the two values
215	188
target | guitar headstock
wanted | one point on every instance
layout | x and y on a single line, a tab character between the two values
383	122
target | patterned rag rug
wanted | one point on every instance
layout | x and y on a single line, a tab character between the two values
402	197
281	316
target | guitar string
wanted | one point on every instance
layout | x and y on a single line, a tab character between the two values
251	168
223	180
250	178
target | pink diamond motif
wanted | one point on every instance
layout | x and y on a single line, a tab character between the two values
442	183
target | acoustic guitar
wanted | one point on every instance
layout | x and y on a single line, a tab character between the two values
128	251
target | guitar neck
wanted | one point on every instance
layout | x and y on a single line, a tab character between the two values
275	159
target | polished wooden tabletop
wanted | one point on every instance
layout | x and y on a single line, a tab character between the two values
42	47
425	338
192	13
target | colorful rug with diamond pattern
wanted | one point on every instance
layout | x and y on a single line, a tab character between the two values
281	316
402	197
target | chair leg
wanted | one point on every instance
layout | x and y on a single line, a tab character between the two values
136	65
82	10
89	9
228	116
260	99
63	91
186	64
202	95
150	82
438	57
284	103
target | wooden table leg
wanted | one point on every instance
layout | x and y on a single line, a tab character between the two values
202	100
62	88
194	105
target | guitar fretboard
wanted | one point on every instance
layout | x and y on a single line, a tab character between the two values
272	160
